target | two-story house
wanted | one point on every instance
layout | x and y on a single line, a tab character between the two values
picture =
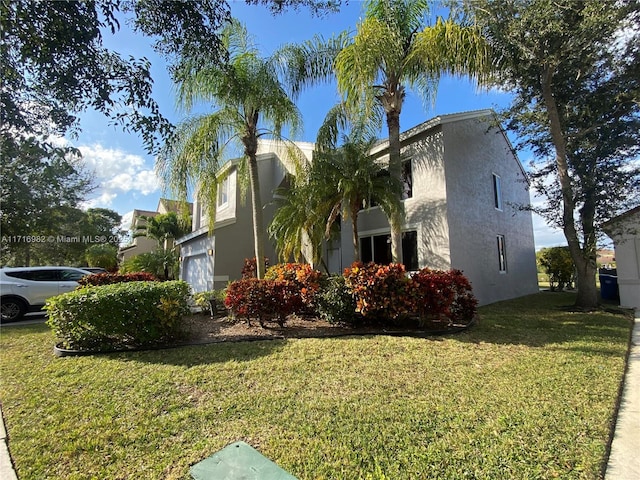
463	192
143	244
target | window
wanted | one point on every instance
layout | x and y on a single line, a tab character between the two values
410	250
497	192
377	249
407	180
223	193
502	254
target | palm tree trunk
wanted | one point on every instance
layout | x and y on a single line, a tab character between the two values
256	206
354	238
395	170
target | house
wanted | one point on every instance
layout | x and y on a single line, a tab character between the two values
209	262
144	244
624	230
464	189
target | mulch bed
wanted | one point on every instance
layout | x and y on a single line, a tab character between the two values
202	328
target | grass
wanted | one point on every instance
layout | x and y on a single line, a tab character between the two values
528	393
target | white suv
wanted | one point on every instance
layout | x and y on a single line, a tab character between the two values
26	289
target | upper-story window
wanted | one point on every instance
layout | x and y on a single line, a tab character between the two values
223	193
497	192
407	179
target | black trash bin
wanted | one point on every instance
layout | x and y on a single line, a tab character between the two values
609	287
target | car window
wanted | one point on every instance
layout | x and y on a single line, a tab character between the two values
44	275
71	275
25	275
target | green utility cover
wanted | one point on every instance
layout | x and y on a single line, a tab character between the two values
238	461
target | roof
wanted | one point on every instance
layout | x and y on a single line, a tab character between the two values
450	118
606	226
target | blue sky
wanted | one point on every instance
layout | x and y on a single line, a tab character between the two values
124	173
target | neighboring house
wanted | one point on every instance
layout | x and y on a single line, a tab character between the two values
144	244
464	187
624	230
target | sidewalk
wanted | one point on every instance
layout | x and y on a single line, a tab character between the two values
6	467
624	461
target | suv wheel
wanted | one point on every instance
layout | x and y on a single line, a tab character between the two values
12	309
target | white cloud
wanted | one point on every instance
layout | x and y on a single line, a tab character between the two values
116	172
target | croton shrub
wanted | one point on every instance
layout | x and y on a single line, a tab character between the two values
120	315
366	292
385	292
380	291
442	295
263	299
305	279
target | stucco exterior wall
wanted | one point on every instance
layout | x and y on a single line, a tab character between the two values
211	261
473	152
625	233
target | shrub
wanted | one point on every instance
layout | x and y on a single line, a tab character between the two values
250	270
163	264
118	315
262	299
438	295
380	291
334	302
303	276
209	300
110	278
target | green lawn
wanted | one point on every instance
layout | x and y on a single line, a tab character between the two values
529	393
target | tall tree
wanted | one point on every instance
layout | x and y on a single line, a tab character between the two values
54	64
34	190
392	50
577	105
251	103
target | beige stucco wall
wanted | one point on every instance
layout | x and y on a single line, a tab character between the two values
475	151
452	208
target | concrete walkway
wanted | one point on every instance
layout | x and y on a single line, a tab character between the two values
624	460
6	467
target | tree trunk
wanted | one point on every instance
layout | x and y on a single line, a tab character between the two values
354	237
395	170
256	206
587	298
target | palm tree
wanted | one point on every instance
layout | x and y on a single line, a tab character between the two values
341	182
251	103
392	49
164	228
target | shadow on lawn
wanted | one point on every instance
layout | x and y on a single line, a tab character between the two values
547	318
205	354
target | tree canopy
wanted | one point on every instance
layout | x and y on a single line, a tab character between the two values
577	105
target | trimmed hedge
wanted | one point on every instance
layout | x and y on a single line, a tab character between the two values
110	278
120	315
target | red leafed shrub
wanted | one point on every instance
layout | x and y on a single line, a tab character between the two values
250	269
437	294
109	278
380	291
303	276
263	299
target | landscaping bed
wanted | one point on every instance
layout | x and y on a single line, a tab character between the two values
221	328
